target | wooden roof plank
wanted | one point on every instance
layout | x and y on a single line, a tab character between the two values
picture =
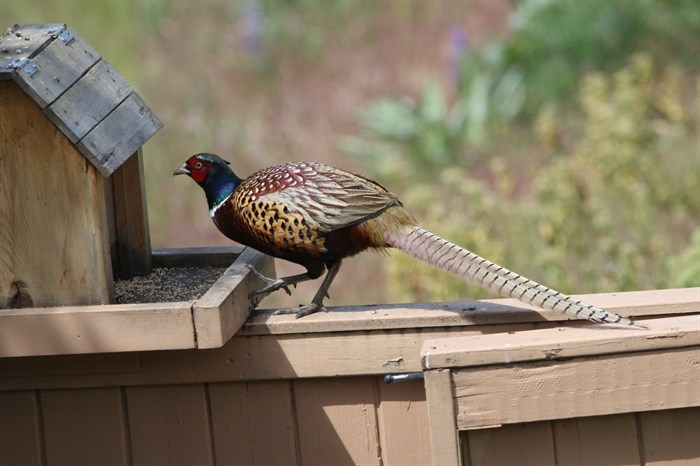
120	134
88	101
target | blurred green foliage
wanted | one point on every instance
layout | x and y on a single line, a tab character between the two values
554	42
411	138
608	94
611	209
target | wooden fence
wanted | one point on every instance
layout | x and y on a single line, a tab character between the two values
311	392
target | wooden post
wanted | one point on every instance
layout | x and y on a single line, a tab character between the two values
132	235
441	418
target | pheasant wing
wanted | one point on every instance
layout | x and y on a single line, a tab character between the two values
327	198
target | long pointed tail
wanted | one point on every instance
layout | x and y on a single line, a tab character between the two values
446	256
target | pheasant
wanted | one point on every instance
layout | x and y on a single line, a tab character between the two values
316	215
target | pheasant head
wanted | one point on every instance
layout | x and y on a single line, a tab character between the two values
213	174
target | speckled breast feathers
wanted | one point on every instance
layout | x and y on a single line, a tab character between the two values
292	208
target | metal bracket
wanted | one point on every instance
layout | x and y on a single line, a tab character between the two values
66	36
24	64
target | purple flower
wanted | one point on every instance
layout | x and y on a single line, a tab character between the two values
251	28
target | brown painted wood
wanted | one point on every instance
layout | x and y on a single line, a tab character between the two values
600	440
561	343
610	384
52	367
260	357
648	303
169	425
84	427
519	444
402	415
337	421
444	439
88	101
20	429
53	235
671	437
252	423
120	134
131	218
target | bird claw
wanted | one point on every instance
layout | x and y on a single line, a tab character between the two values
301	311
271	284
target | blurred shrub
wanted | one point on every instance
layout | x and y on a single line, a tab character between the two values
556	42
613	211
405	139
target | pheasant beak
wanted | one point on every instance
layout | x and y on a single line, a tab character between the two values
183	170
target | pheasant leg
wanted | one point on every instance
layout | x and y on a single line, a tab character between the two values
316	304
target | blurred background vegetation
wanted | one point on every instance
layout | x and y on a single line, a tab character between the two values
558	138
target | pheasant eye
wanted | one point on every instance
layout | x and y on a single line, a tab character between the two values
198	165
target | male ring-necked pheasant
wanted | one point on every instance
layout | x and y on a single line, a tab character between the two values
316	216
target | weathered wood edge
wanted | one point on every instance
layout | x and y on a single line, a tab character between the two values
561	343
223	309
119	134
95	329
467	313
219	256
110	327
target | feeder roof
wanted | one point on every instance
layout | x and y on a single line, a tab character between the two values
97	110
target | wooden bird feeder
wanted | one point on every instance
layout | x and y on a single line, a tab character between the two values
73	214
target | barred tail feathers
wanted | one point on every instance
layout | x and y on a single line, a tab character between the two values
444	255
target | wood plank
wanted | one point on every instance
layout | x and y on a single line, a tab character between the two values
612	384
20	429
133	235
169	425
521	445
264	358
223	309
88	101
670	437
600	440
441	418
95	329
403	423
67	366
53	235
85	426
646	303
337	421
252	423
120	134
559	343
58	66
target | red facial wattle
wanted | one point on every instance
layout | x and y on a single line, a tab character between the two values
198	169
